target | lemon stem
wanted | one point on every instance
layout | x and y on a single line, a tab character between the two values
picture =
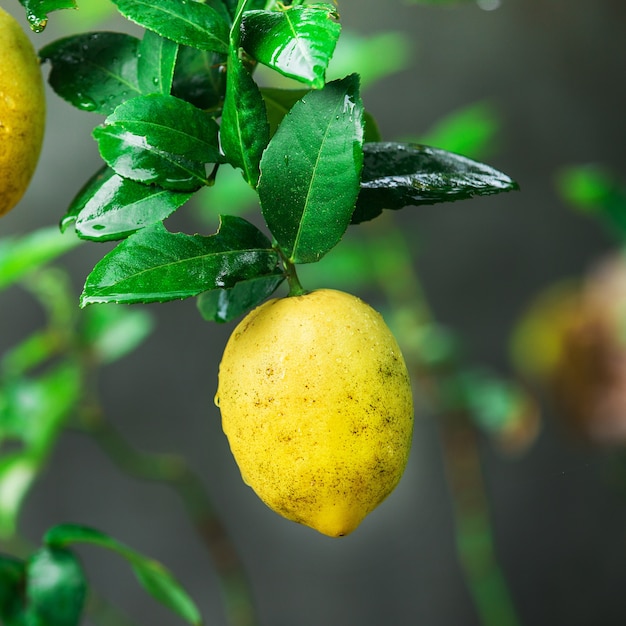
295	287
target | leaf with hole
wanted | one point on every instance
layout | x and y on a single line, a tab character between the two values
154	265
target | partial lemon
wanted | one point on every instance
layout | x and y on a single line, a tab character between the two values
316	403
22	112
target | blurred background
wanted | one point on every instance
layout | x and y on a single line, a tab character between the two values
543	81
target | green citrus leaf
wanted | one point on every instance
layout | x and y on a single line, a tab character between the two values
244	131
112	207
396	175
37	11
200	78
161	140
224	305
19	256
189	23
310	171
56	588
94	71
297	41
154	578
155	63
154	265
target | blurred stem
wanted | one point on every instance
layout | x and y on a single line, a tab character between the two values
400	283
173	471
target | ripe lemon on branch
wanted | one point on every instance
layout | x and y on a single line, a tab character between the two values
22	112
316	403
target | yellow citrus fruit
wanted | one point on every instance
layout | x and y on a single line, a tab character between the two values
22	112
316	403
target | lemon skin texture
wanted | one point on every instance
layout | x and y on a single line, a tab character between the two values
317	407
22	112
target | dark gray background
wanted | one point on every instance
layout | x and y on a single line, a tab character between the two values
555	71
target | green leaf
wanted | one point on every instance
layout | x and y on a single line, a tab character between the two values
155	578
161	140
56	588
224	305
111	207
112	332
310	171
155	64
37	11
189	23
48	400
244	131
396	175
154	265
200	78
94	71
19	256
296	41
17	473
12	585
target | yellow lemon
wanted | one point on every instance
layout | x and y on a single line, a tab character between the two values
22	112
316	403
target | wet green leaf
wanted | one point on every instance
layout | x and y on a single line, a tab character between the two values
153	576
155	64
200	78
244	131
37	11
310	171
21	255
296	41
224	305
154	265
188	23
56	588
396	175
94	71
112	207
161	140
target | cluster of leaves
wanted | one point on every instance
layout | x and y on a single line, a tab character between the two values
50	587
181	103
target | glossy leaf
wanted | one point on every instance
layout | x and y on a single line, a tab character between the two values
200	78
244	131
37	11
224	305
278	102
396	175
161	140
296	41
155	578
19	256
94	71
56	588
112	207
155	63
154	265
310	171
12	585
188	23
